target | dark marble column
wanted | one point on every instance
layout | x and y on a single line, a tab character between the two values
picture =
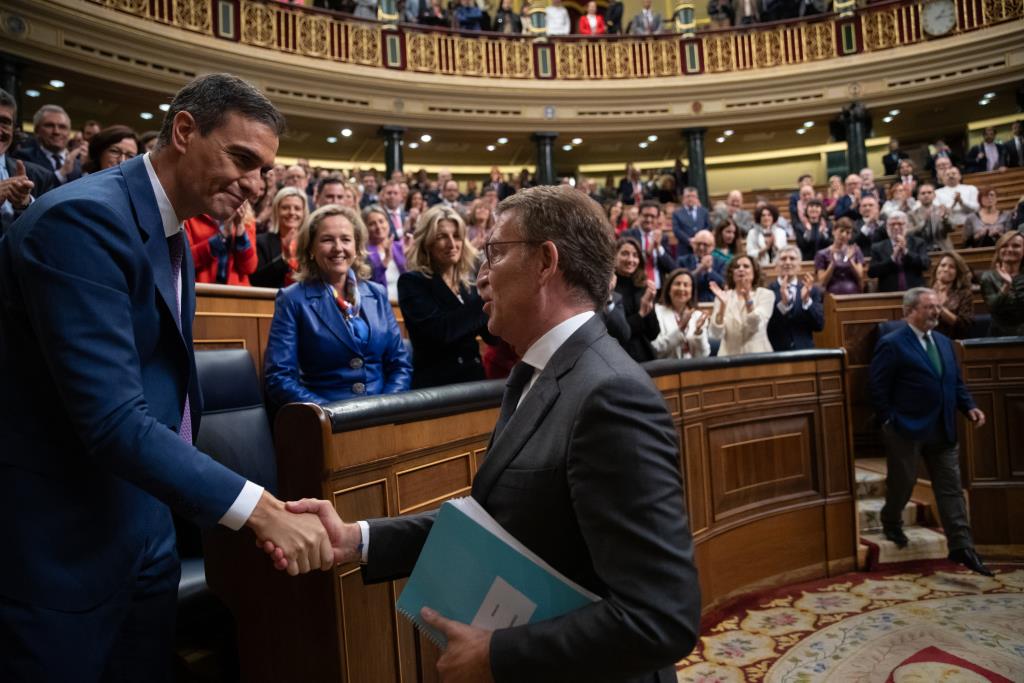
697	171
392	149
857	122
545	157
10	80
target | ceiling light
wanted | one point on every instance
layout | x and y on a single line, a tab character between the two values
491	148
146	116
894	112
567	148
502	141
32	93
165	107
332	139
984	103
346	132
801	131
643	145
887	119
413	145
652	138
577	141
720	139
425	137
808	124
990	95
728	132
57	83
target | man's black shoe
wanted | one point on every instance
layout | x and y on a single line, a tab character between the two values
968	558
897	536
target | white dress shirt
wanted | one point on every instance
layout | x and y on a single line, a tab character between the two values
945	196
557	20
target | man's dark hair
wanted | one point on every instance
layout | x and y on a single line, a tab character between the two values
801	178
650	204
329	180
7	101
579	229
209	99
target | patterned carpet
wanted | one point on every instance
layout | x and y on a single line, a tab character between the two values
929	622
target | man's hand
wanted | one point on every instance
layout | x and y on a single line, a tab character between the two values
805	293
301	538
977	417
345	538
468	657
18	188
73	156
784	294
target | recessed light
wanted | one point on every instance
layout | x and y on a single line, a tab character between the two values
491	148
146	116
887	119
643	145
801	131
332	139
894	112
426	137
652	138
567	148
984	103
728	132
413	145
808	124
165	107
346	132
577	141
32	93
502	141
990	95
720	139
57	83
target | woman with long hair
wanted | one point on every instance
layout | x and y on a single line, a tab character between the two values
275	248
950	277
683	325
110	147
480	222
637	294
1003	286
728	242
986	225
385	255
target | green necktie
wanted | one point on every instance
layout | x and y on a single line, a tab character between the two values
933	353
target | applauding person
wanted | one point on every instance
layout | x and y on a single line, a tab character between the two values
798	313
683	325
1003	286
276	247
986	225
840	267
384	252
637	298
899	262
224	252
741	313
951	282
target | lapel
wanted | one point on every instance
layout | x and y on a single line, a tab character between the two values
370	308
530	414
327	310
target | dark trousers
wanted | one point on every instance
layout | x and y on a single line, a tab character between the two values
126	639
943	462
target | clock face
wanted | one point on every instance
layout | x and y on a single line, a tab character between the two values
938	17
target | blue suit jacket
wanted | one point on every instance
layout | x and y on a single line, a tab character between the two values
311	354
685	227
93	376
795	330
907	391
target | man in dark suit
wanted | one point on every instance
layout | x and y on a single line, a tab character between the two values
49	148
870	227
916	388
391	200
798	313
582	468
940	161
99	400
987	155
891	160
657	259
20	181
900	261
1015	146
704	266
688	219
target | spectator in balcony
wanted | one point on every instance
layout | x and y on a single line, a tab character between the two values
110	147
480	223
840	267
591	23
849	204
891	159
689	219
767	239
728	243
746	12
224	252
506	20
613	17
443	313
742	311
798	313
799	197
900	199
638	294
871	226
631	189
961	199
809	8
334	335
906	177
1015	146
704	265
984	227
814	233
832	195
987	155
49	148
720	13
275	249
366	9
900	261
931	221
1003	286
557	19
468	16
950	278
647	22
385	254
683	326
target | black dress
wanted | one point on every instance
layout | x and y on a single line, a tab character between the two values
643	329
271	268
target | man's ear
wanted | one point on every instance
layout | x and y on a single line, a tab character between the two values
548	262
183	130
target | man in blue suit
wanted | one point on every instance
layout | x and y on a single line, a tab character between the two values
689	219
917	388
798	313
50	147
99	400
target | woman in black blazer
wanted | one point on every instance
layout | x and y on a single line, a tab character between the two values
637	299
274	265
443	313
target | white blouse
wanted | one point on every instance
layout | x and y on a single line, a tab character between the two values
740	331
675	343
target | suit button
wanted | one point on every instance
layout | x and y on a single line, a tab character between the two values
358	388
355	363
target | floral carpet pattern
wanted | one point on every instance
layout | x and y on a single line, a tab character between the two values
933	623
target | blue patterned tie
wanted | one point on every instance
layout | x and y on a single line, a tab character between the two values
176	247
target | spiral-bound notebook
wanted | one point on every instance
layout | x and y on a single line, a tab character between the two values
473	571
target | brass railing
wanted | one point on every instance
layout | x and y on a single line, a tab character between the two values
325	35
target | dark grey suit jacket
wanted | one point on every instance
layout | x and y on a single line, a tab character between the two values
585	474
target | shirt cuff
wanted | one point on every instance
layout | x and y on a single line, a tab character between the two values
783	309
364	532
807	304
240	511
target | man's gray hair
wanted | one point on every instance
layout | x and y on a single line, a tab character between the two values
896	214
48	109
793	248
912	296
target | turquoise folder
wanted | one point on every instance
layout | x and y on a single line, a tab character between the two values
473	571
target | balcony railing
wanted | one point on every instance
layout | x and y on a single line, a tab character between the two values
408	47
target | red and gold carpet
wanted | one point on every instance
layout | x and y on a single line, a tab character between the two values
930	623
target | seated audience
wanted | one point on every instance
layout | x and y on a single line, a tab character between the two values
798	312
704	265
657	261
900	199
688	219
415	205
984	227
931	221
330	190
741	314
988	155
223	252
647	22
334	335
592	23
899	262
766	239
683	325
637	298
871	226
385	255
833	194
728	243
960	199
950	278
275	248
1003	287
480	223
110	147
813	233
443	313
840	267
20	181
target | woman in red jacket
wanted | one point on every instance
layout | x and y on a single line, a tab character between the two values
592	23
224	253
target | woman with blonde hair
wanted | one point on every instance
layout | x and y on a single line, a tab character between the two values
1003	286
480	221
275	248
950	277
334	335
443	313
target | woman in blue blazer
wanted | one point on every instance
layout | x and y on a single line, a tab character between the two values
334	335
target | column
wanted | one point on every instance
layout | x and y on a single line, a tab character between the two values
545	174
856	120
697	171
10	73
392	149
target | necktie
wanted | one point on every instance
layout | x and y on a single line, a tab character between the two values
396	224
57	162
933	353
176	247
901	275
649	258
517	380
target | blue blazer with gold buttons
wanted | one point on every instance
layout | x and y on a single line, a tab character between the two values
312	356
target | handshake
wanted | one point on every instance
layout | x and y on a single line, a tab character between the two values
303	535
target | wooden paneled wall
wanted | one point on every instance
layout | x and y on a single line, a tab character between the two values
229	317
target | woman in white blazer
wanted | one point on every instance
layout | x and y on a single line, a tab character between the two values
740	317
684	330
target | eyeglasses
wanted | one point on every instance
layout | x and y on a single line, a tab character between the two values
116	153
6	122
492	256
